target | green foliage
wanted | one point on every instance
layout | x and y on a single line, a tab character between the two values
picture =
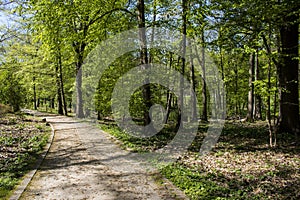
11	91
136	144
196	185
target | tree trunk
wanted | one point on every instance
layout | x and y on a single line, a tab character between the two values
34	94
258	101
204	91
236	76
169	95
79	103
79	50
193	98
52	103
62	84
203	79
251	88
183	53
144	58
272	129
288	75
153	31
58	88
168	107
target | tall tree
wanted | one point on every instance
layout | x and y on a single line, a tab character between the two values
183	60
144	58
250	113
288	70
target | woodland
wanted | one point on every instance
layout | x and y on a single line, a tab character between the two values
254	44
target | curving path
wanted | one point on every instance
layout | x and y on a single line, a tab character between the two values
84	163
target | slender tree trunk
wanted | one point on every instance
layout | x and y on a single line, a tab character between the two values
169	95
221	56
272	129
183	53
79	103
251	88
236	76
258	100
288	75
144	58
79	49
34	94
203	81
153	31
169	105
193	97
52	102
58	88
271	58
62	84
204	87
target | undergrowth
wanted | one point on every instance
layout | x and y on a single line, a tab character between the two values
21	140
241	166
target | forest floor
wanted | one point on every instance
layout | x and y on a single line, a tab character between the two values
241	166
22	139
84	163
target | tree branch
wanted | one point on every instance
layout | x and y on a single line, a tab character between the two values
268	49
95	19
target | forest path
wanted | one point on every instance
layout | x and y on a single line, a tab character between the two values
84	163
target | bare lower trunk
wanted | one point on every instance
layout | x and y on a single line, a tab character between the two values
288	75
168	107
183	52
258	100
144	59
204	91
251	88
79	103
272	128
62	85
34	94
193	92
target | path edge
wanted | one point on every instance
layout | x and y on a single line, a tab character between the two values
28	177
156	176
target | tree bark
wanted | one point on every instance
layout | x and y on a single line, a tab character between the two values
258	100
144	58
183	53
193	80
62	84
58	88
168	107
236	76
288	75
204	90
79	103
169	95
203	79
34	94
79	50
251	88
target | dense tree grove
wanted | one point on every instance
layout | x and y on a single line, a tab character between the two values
255	45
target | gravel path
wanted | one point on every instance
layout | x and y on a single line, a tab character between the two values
84	163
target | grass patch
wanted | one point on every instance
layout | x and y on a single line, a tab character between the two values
21	140
207	185
136	144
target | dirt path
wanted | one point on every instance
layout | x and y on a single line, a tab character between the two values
83	163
